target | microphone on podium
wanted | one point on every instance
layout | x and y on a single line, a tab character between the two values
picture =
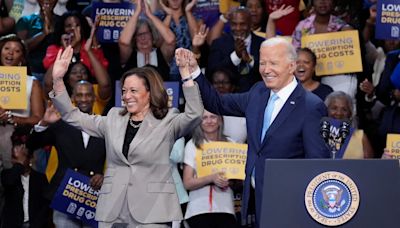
344	130
325	129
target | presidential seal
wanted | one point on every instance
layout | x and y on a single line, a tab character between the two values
332	198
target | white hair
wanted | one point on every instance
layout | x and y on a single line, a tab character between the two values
291	51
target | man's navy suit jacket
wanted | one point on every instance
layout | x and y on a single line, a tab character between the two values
219	57
293	134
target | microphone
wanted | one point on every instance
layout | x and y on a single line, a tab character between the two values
325	129
344	130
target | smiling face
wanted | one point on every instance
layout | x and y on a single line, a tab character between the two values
210	123
12	54
339	109
276	68
83	97
305	67
240	24
135	95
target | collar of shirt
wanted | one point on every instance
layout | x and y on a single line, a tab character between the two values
247	42
283	95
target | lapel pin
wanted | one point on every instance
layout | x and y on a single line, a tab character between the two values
292	102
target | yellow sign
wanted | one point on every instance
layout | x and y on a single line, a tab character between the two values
226	5
226	157
13	93
393	145
337	52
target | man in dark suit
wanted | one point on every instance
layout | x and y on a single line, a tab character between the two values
237	51
75	149
282	117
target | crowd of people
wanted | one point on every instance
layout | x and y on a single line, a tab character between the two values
244	77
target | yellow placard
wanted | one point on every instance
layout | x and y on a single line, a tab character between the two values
393	145
226	5
337	52
226	157
13	93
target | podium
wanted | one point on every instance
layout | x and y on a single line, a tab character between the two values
322	193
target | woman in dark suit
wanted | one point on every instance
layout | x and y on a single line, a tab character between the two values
138	188
25	205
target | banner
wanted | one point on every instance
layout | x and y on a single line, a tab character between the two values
208	11
387	25
172	89
13	94
113	18
337	52
226	157
76	198
393	145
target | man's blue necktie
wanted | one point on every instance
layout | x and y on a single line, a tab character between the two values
267	122
268	114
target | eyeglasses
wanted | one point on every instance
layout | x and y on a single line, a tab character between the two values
143	35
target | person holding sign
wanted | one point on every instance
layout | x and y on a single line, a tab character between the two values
138	188
340	107
13	53
210	197
323	21
140	43
282	117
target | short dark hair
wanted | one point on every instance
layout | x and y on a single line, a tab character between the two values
310	52
153	82
15	38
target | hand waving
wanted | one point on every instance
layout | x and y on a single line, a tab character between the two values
62	62
200	37
281	12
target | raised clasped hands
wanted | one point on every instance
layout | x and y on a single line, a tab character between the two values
185	61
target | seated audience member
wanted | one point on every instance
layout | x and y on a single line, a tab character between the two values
323	21
75	149
234	127
35	30
305	72
237	51
25	205
140	43
340	107
210	197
